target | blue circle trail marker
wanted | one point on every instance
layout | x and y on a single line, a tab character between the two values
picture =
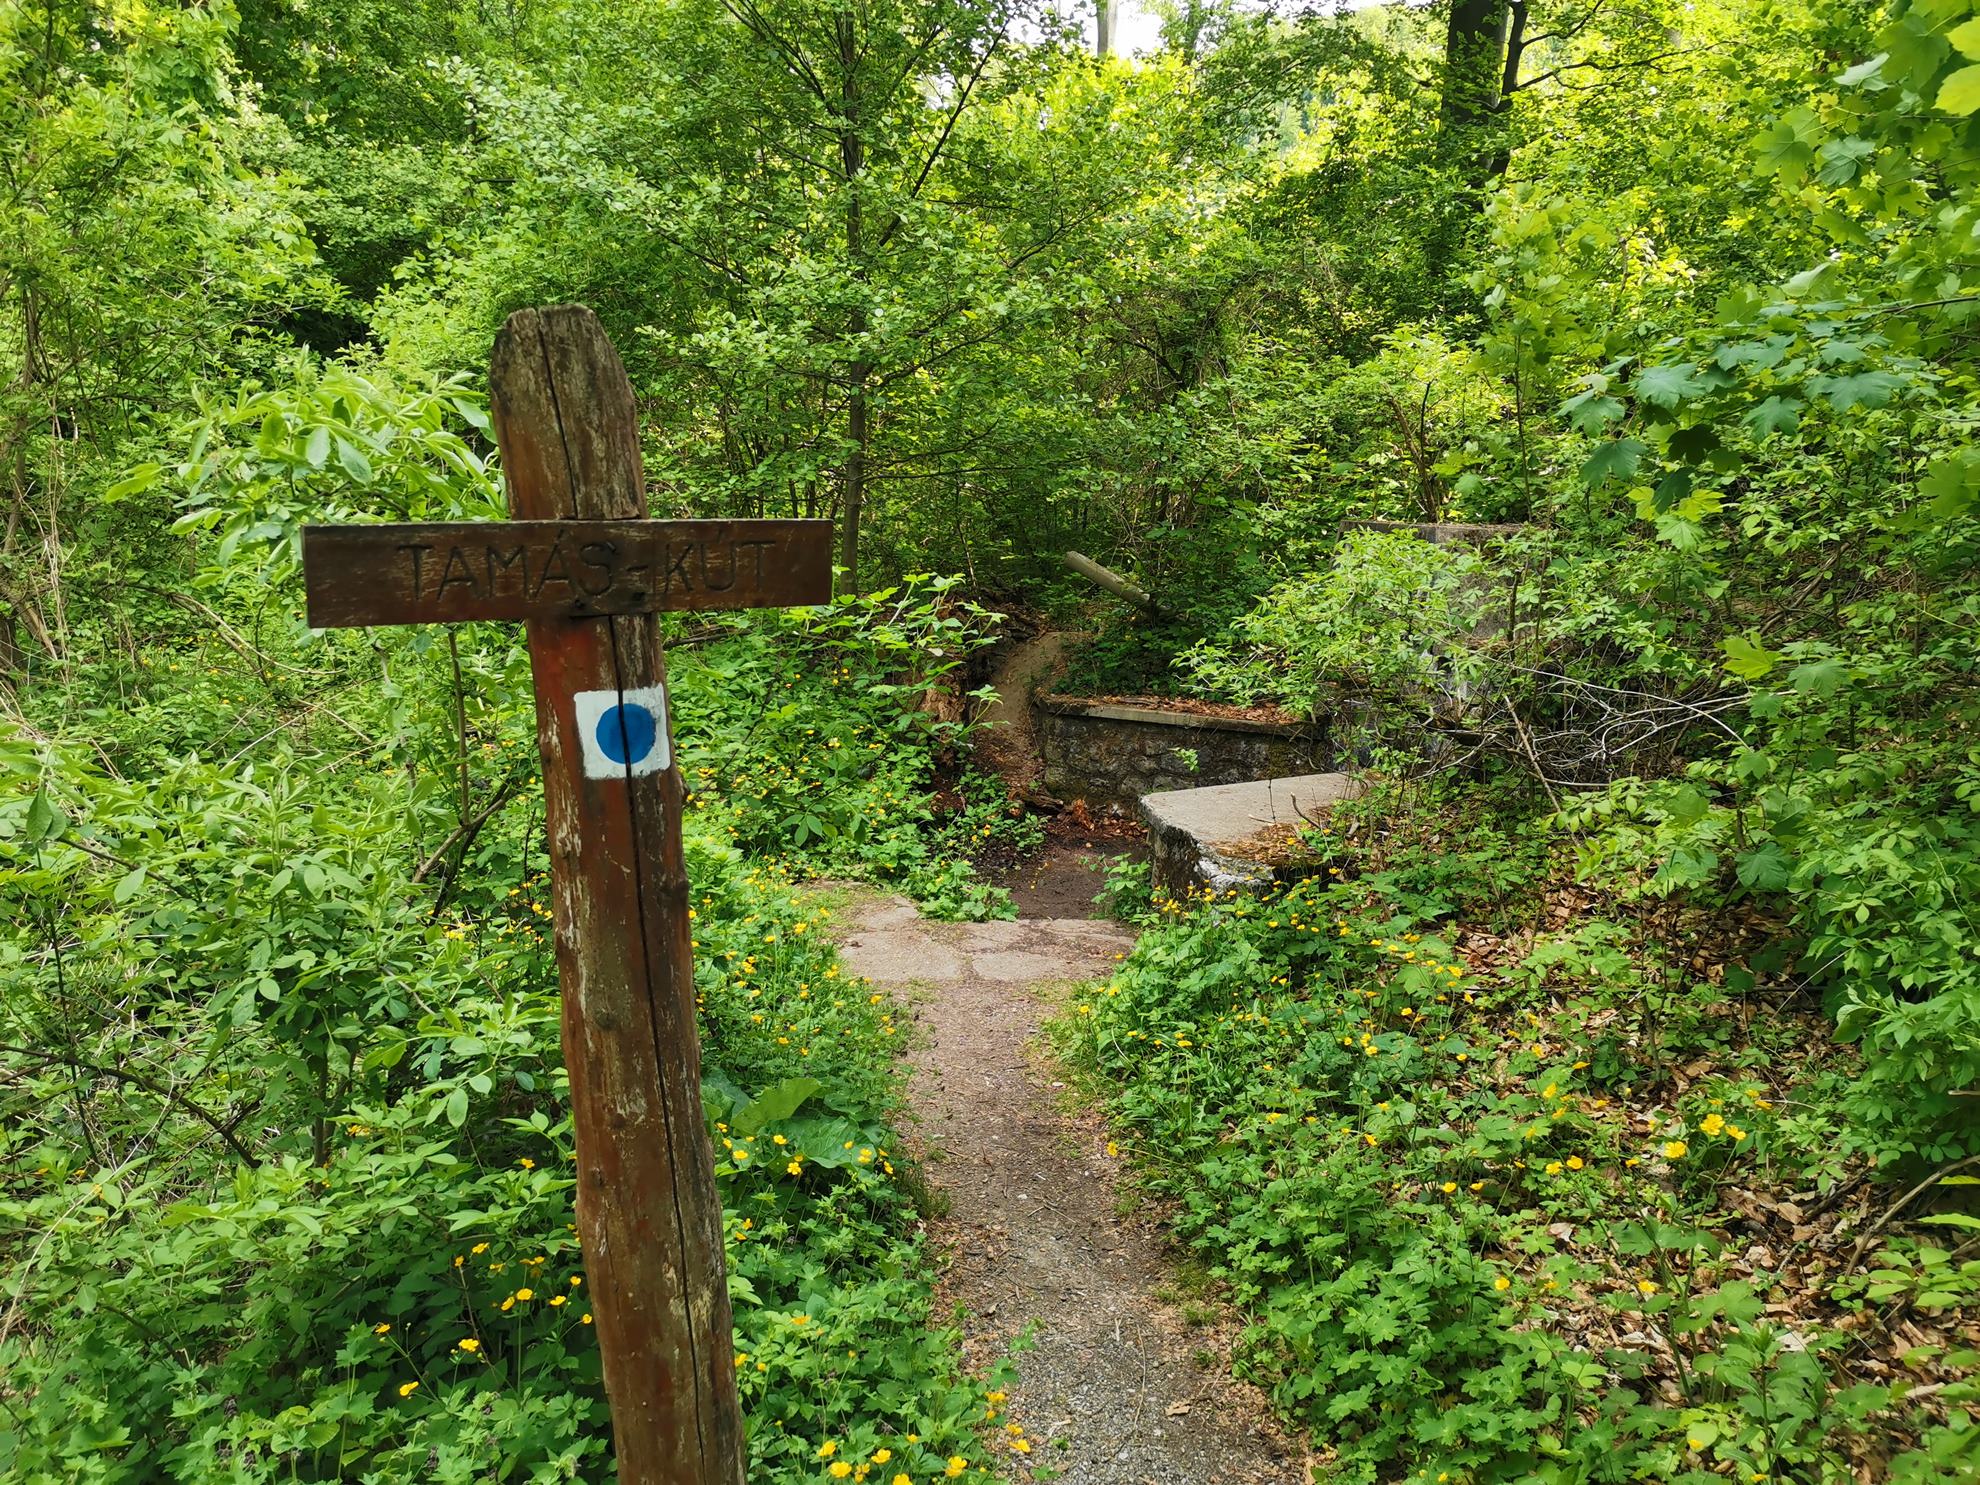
588	571
626	733
623	733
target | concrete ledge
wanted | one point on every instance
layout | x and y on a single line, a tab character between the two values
1115	711
1210	839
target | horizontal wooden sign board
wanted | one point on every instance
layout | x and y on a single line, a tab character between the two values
448	572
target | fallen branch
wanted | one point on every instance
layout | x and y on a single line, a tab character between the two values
463	837
1112	581
1904	1201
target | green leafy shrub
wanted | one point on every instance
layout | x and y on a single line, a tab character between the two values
1412	1180
1383	618
323	1182
285	1168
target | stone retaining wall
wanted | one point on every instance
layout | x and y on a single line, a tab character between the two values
1110	753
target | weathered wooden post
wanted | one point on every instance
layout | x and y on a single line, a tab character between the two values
581	564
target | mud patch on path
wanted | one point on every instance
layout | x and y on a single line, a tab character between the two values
1115	1388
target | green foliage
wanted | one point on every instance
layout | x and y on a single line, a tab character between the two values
1387	1160
836	777
332	447
1756	347
141	250
429	1242
337	1109
1691	295
285	1179
1378	621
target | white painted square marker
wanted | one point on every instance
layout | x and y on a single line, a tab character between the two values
623	733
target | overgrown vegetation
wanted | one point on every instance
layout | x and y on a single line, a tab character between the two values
1514	1203
1675	772
287	1156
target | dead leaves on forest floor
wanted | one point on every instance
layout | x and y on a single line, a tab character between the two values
1792	1238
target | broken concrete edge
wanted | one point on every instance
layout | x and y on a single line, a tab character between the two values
1197	836
1229	814
1113	711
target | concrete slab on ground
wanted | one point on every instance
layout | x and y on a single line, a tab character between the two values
1209	839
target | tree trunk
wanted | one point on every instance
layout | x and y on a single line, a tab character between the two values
1106	20
853	482
852	163
1474	85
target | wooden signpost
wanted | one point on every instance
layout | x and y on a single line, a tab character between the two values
587	571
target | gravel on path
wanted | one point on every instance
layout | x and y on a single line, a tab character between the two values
1115	1387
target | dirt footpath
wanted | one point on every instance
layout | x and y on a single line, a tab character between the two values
1116	1389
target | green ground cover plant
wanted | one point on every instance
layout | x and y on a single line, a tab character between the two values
1481	1206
